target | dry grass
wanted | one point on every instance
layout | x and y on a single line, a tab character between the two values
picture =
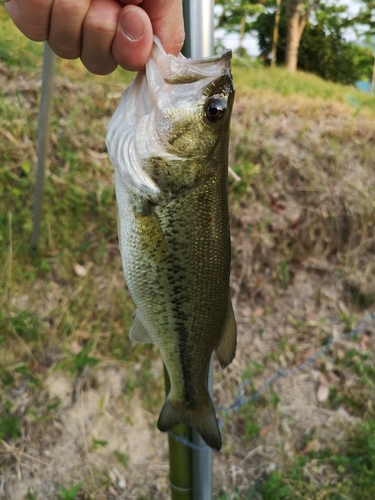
312	196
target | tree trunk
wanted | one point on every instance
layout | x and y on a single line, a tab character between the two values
296	24
293	39
241	51
275	35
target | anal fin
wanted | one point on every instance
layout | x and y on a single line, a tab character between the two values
226	348
138	331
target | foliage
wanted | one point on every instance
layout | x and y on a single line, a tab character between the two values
232	12
323	48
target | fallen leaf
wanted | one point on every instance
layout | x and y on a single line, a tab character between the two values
82	334
322	393
75	348
313	445
305	355
340	354
265	430
364	343
80	270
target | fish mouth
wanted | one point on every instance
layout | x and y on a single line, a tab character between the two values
180	70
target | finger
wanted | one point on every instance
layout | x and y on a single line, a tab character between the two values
66	22
167	22
133	41
31	17
99	29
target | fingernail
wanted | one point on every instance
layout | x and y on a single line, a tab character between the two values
131	25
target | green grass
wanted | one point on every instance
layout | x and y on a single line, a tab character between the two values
280	81
16	50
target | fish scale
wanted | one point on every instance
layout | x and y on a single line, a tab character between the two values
174	224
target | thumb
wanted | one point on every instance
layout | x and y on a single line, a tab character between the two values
132	45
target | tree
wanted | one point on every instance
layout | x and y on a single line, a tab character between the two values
366	18
323	49
238	15
298	13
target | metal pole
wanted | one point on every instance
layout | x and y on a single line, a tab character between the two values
49	65
180	458
199	29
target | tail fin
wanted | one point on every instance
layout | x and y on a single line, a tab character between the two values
203	420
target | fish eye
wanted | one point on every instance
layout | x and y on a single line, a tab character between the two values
214	110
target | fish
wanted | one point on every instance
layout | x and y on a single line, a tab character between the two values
168	141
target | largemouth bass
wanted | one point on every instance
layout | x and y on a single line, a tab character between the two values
168	142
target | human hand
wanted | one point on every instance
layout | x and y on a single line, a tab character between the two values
103	33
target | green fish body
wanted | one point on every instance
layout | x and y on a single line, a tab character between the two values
168	141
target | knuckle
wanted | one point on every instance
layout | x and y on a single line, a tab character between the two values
101	23
103	68
67	53
72	10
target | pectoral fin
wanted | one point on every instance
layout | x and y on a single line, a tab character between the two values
150	234
138	331
226	349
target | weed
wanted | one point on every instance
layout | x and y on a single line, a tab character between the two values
252	429
98	443
76	363
273	488
30	495
10	427
121	457
348	319
283	273
254	369
71	493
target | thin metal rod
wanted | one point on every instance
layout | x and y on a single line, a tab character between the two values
202	457
199	29
180	458
49	65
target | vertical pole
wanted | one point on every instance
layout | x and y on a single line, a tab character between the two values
202	457
180	458
199	28
49	65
